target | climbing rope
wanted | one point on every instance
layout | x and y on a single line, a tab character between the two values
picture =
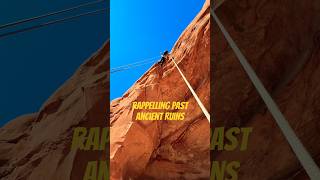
50	14
204	110
129	66
304	157
4	35
134	65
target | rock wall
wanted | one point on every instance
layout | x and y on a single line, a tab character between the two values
163	149
37	146
281	41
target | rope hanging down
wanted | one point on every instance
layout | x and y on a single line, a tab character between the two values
304	157
140	63
204	110
50	14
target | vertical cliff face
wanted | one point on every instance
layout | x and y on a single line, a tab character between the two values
281	41
37	146
163	149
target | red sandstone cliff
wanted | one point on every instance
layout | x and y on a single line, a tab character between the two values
37	146
162	149
281	41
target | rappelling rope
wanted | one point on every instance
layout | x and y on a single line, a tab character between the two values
217	5
50	14
133	65
129	67
138	62
304	157
4	35
204	110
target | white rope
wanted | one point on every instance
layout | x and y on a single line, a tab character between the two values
204	110
99	11
133	65
50	14
129	67
303	155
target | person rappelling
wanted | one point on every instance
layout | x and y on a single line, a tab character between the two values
164	57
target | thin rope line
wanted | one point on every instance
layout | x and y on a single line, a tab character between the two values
49	14
130	67
51	23
302	154
203	108
136	63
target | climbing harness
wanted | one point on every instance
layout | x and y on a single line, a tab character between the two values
302	154
204	110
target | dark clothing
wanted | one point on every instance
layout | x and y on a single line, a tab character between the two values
164	57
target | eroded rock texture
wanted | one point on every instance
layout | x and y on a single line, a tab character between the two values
37	146
162	149
281	41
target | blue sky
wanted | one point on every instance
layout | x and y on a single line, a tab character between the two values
34	64
142	29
